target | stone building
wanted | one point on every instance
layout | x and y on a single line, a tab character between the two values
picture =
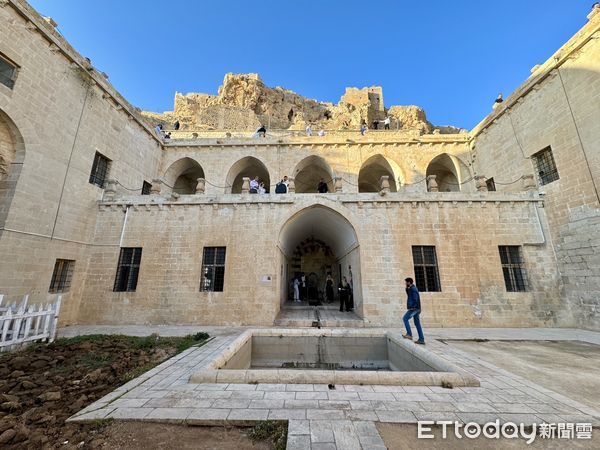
500	226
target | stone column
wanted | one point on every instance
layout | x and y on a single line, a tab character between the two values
480	183
174	196
156	186
201	186
384	184
337	184
529	183
110	191
432	185
291	186
245	185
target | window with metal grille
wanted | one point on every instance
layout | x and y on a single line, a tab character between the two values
8	72
146	187
61	277
128	269
513	268
427	277
545	167
99	170
491	185
213	269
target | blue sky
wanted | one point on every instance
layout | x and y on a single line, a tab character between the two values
452	57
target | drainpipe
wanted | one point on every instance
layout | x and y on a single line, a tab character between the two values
124	224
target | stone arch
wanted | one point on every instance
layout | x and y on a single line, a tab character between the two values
318	239
373	169
309	171
449	171
12	156
183	176
246	167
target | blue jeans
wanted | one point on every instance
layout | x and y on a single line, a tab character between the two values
413	314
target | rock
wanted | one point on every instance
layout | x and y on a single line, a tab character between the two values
20	362
7	436
10	406
94	376
26	384
17	374
22	434
8	398
49	396
39	364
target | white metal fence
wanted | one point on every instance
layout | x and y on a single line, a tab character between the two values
21	323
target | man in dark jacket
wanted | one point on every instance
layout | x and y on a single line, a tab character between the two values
413	305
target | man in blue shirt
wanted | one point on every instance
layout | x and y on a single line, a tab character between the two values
413	305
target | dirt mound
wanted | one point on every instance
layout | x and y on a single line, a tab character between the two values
43	385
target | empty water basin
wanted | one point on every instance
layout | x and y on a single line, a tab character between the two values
334	356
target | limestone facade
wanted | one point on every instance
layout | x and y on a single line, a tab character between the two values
388	191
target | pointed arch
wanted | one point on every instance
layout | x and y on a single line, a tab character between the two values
309	172
373	169
450	172
12	156
250	167
183	175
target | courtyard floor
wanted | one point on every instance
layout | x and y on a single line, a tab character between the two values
345	417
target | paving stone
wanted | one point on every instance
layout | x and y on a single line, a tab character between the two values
270	387
129	402
299	387
251	395
405	397
479	418
305	404
266	404
475	407
213	394
211	387
437	406
396	416
325	414
347	441
436	416
311	396
169	414
298	442
356	388
321	431
231	403
343	395
400	406
369	442
241	387
99	413
287	414
382	396
279	396
298	427
360	404
357	414
323	446
330	404
203	416
250	415
365	428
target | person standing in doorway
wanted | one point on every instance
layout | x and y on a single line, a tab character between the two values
344	290
413	306
322	187
296	289
329	288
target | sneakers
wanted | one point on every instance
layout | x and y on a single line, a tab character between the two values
407	336
420	342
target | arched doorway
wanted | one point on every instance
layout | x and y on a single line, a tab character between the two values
317	241
371	172
246	167
12	156
183	176
309	172
447	170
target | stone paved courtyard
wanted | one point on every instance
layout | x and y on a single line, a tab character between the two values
344	417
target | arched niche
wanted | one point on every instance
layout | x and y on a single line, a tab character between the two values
183	176
309	172
246	167
371	172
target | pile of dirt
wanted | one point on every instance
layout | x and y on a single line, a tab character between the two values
43	385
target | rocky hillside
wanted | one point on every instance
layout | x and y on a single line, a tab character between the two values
244	102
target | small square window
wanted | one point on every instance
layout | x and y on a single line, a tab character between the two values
146	187
427	277
61	277
513	268
8	72
491	185
213	269
100	169
128	269
545	167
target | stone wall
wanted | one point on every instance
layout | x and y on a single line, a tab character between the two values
559	106
465	228
60	113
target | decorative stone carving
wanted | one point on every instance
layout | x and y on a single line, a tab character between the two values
201	186
432	185
291	186
384	184
245	185
337	184
156	186
480	183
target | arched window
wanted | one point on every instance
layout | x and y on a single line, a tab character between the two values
247	167
309	172
371	172
449	172
183	175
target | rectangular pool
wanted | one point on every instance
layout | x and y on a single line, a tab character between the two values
330	356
